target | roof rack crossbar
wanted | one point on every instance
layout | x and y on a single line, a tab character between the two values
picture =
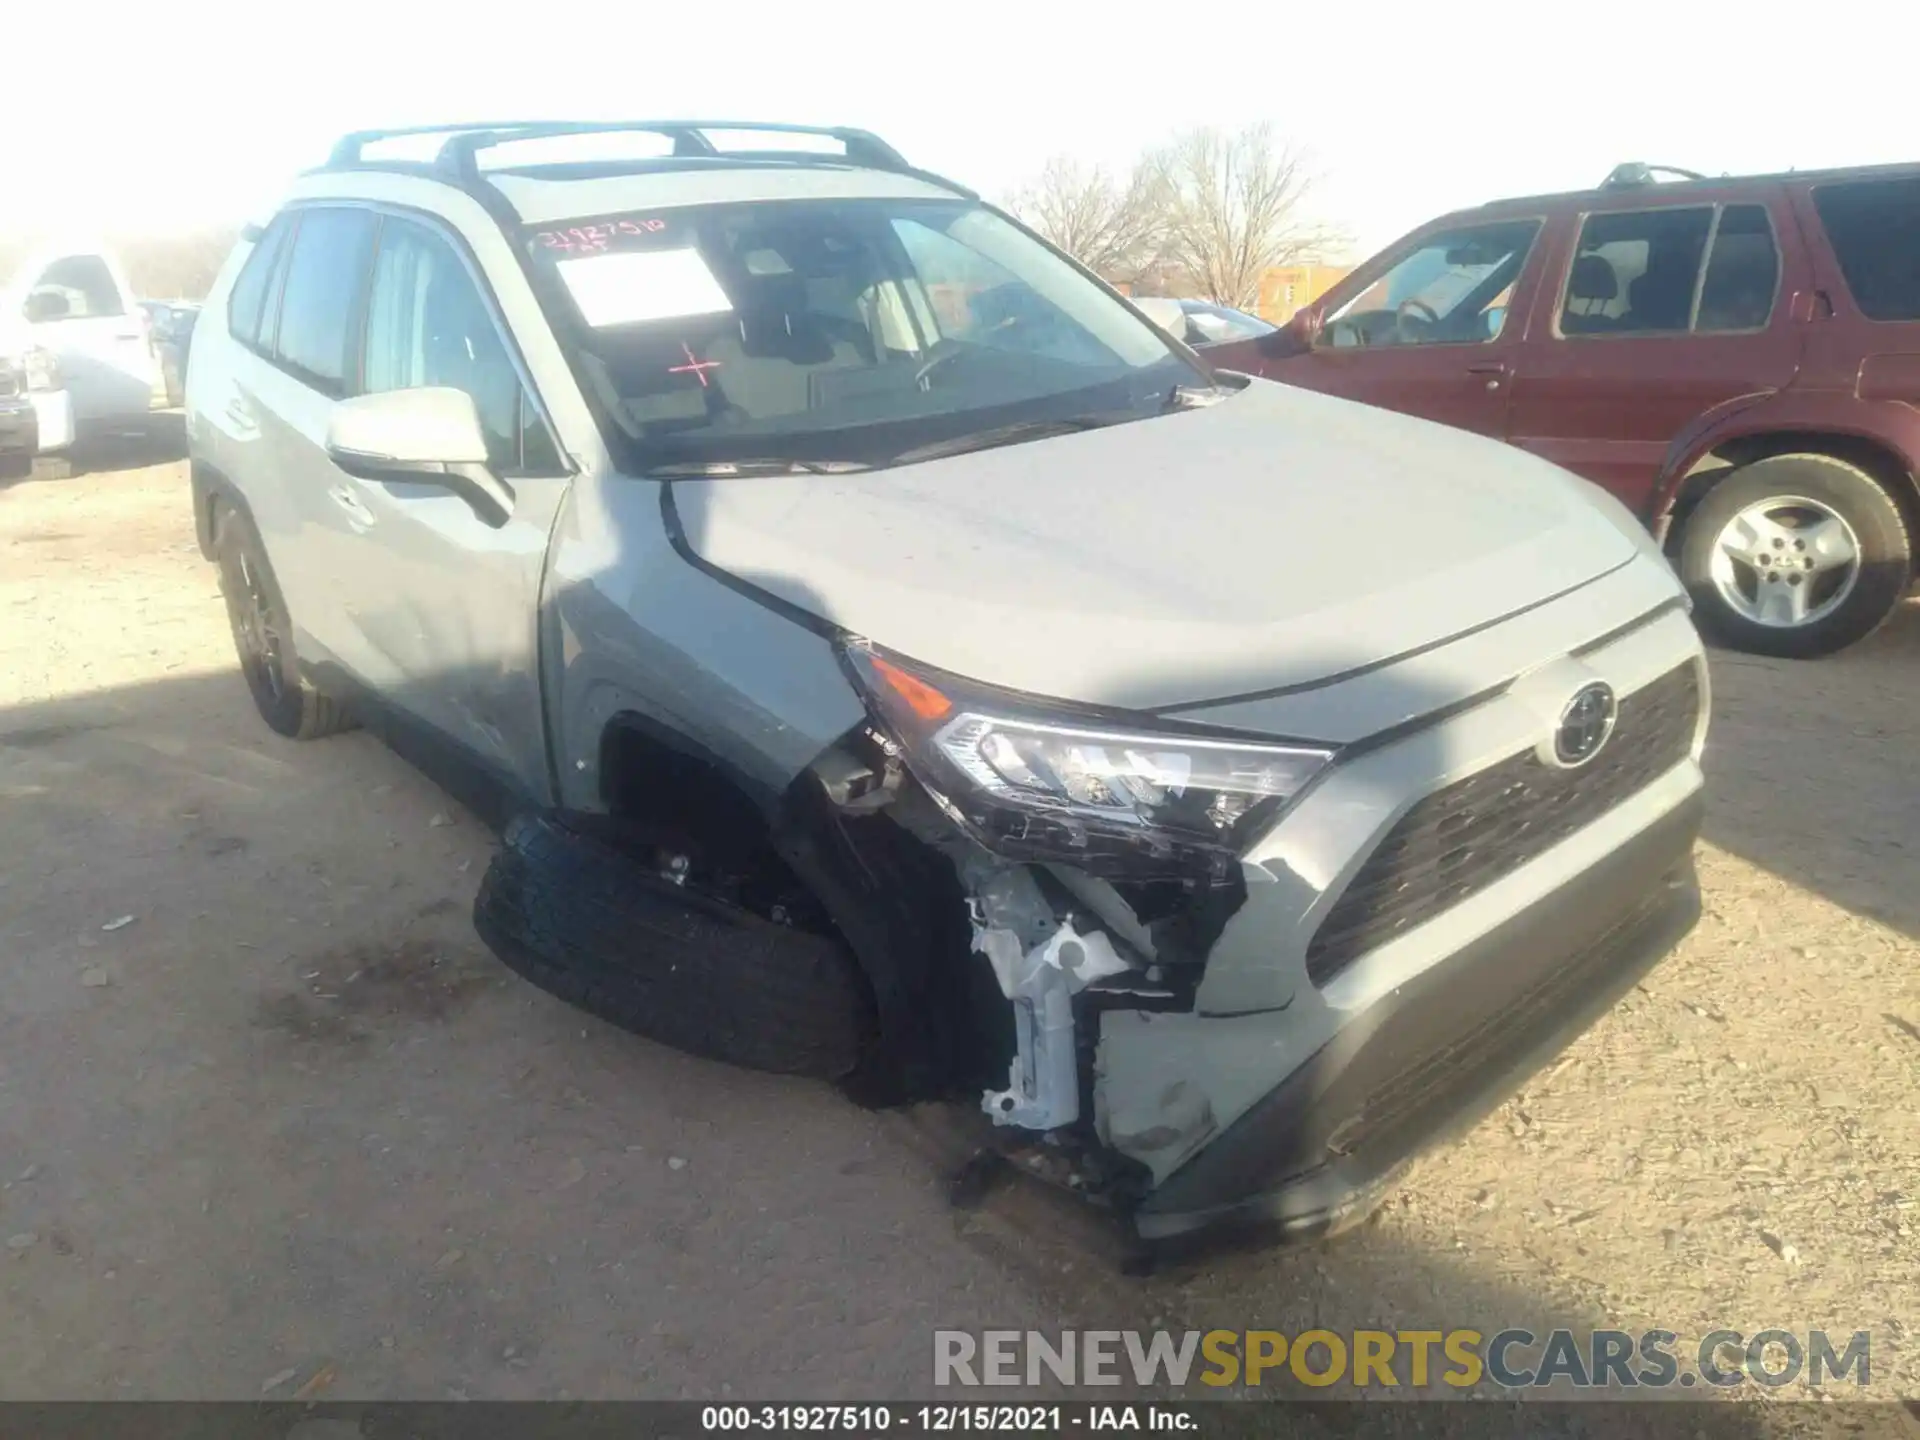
1636	172
346	150
457	156
689	137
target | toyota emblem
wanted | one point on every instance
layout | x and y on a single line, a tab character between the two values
1585	724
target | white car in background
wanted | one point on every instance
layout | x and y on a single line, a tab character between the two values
36	412
75	304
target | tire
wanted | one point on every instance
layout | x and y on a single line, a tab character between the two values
1761	509
590	924
263	638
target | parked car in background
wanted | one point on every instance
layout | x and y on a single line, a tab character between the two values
36	413
1201	323
172	324
1737	359
904	664
76	305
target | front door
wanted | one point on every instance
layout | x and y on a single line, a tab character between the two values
454	615
80	312
1656	314
1425	329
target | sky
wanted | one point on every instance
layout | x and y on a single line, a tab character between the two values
192	112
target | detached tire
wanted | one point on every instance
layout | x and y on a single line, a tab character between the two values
589	924
1796	556
263	638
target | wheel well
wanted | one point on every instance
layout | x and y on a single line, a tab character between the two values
668	790
892	899
1876	459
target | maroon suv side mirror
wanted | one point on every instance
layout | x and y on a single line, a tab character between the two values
1295	337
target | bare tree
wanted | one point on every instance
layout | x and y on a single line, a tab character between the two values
1111	226
1235	205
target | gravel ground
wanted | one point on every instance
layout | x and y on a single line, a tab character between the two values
271	1119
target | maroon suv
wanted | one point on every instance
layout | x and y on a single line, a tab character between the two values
1736	359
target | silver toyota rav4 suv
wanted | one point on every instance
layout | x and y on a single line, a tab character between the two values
892	659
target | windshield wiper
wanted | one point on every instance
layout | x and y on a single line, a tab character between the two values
1194	397
734	469
1009	435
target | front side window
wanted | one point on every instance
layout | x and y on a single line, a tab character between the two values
1450	290
321	294
1875	229
428	325
837	330
83	284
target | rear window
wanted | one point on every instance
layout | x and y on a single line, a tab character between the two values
1874	226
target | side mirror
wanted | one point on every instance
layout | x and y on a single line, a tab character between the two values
429	436
1296	337
46	305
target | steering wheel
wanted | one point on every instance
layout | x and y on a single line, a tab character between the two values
943	353
1417	309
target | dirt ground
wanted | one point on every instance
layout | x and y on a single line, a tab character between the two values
271	1118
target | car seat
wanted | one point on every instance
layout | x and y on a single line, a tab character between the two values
1592	286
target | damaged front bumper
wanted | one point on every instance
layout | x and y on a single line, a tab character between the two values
1433	1055
1433	919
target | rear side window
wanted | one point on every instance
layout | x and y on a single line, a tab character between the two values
1639	272
320	298
1875	229
1743	272
247	303
86	285
1634	272
427	324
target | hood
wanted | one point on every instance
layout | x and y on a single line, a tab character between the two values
1273	539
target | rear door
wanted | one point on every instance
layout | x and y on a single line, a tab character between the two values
1424	328
305	349
80	310
1655	313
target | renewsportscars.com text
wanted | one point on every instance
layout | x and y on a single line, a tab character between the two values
1514	1359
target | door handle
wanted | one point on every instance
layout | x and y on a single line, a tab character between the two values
1494	370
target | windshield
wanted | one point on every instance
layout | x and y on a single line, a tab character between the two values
838	331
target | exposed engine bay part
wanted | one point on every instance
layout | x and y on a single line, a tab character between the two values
1043	1087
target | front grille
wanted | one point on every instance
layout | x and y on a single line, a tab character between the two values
1461	839
12	382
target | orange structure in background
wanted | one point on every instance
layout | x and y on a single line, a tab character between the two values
1285	288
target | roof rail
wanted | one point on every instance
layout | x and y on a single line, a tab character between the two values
1634	172
465	141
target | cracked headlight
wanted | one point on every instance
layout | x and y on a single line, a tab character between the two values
1038	780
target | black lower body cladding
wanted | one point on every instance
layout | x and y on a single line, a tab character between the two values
1433	1057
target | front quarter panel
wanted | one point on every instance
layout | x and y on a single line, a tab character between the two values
632	628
